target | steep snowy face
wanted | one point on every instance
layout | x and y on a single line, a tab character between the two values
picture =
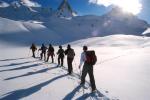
65	10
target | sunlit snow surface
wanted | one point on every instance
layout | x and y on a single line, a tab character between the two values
122	71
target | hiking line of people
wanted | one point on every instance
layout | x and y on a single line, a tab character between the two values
87	57
69	52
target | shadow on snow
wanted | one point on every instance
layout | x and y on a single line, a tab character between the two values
18	94
13	59
22	67
15	64
98	96
32	73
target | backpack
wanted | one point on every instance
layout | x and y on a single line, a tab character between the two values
70	53
91	58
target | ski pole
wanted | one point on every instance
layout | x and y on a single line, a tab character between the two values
56	57
74	62
80	73
80	78
38	53
29	53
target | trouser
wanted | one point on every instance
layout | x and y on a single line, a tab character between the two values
33	53
88	69
69	61
60	60
43	53
52	57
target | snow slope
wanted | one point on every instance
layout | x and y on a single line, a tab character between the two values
121	73
24	33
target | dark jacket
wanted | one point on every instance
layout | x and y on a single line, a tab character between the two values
33	47
50	51
43	49
70	53
60	53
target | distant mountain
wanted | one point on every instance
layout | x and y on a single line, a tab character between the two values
65	10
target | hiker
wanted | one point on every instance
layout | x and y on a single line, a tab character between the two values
33	48
50	52
60	54
87	68
43	52
70	56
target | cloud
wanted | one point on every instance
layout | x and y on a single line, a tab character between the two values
31	3
105	3
133	6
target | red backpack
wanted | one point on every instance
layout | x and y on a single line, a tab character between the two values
91	57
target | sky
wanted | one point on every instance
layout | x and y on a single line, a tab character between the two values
140	8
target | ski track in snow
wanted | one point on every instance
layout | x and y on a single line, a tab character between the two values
34	67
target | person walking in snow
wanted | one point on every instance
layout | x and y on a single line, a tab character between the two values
50	52
70	56
43	52
60	54
87	68
33	48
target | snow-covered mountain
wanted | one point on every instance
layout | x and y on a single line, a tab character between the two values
59	31
117	21
26	10
44	25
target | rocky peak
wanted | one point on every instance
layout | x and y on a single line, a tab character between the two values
65	10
